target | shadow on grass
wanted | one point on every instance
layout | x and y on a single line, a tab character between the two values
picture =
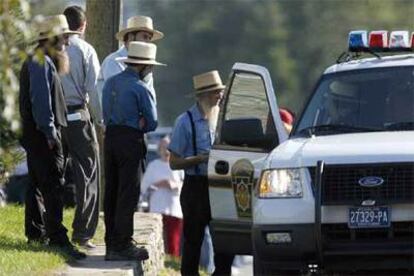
8	244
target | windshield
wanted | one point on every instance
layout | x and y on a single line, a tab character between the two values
380	99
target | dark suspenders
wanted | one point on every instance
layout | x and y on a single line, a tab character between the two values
193	133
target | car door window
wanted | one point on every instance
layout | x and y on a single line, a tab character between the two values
247	105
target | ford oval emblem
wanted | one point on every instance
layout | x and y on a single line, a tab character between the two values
371	181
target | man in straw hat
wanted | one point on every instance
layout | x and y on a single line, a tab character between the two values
129	112
191	141
81	95
43	114
139	28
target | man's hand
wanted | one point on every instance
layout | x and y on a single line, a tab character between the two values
141	123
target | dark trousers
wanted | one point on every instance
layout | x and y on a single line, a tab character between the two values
195	204
80	143
44	204
124	154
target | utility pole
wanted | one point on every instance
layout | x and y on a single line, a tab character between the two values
104	20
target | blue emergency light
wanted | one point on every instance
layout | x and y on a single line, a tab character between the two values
358	41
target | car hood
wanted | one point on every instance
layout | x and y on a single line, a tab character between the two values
373	147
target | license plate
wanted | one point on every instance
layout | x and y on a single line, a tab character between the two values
369	217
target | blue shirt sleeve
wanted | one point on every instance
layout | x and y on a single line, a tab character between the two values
148	109
106	101
180	137
40	96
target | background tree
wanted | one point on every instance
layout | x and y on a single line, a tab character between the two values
295	40
104	17
14	33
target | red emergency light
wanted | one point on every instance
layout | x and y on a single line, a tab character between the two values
378	39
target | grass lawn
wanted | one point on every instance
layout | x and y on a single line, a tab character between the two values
19	258
172	267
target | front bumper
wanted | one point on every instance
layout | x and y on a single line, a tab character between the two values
341	248
294	255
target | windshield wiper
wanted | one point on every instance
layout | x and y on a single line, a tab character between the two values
334	128
400	126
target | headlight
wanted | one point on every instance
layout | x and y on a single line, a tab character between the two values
280	183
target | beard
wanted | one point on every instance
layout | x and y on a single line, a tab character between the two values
61	61
213	117
212	113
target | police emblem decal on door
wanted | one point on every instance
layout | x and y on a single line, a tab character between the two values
242	175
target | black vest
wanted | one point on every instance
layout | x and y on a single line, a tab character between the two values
57	96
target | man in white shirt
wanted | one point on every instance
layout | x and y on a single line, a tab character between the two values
139	28
80	89
164	186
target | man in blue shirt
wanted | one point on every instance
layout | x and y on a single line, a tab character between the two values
43	114
129	112
191	141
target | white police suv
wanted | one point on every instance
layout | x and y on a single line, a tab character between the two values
339	193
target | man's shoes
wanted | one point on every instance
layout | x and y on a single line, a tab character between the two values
130	253
69	249
41	241
87	244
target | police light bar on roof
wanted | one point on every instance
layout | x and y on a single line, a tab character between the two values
378	41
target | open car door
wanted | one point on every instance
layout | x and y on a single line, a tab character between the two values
249	127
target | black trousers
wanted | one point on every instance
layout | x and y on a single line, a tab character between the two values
44	198
195	204
124	154
80	143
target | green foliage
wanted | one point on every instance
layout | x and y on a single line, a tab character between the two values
14	33
19	258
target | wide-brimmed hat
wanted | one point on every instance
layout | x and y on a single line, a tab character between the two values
50	26
139	23
141	53
207	82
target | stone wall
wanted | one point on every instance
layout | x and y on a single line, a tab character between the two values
148	233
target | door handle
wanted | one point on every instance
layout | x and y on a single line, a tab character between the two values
222	167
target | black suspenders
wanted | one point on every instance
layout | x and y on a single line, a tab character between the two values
193	132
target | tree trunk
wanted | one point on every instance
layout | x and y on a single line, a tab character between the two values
104	19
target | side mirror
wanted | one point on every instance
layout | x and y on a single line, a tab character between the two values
243	132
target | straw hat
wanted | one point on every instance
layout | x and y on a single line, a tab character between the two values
207	82
139	23
51	26
141	53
